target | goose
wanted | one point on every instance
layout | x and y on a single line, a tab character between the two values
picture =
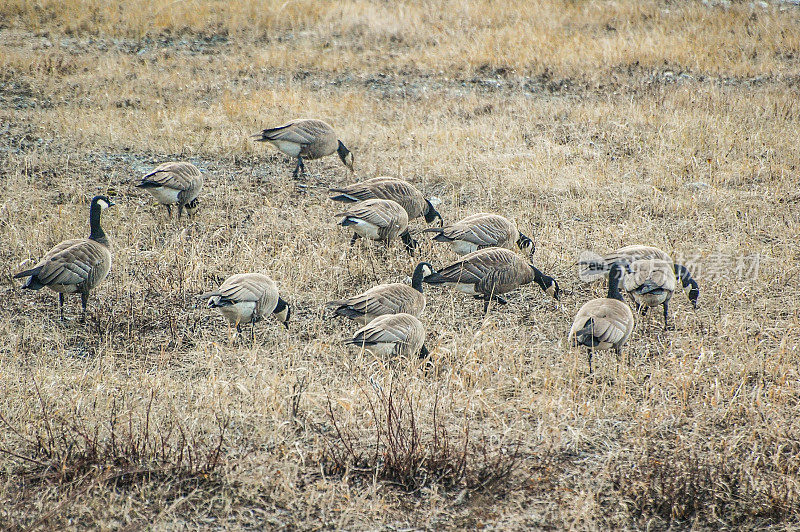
480	231
378	219
248	297
403	192
604	323
487	273
401	335
174	183
75	266
651	282
597	266
306	138
383	299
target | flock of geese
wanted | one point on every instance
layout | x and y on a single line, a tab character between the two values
380	209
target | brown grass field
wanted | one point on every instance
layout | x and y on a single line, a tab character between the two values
593	124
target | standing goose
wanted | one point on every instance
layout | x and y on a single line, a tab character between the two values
307	138
403	192
174	183
378	219
603	323
395	298
480	231
651	282
248	297
75	266
489	272
598	266
400	335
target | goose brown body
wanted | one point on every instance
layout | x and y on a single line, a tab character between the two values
378	219
394	298
603	323
400	335
595	269
480	231
651	283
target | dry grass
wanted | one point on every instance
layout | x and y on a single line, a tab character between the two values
593	124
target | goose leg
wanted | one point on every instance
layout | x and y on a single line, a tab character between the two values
590	361
84	301
253	332
486	301
180	210
300	167
353	240
666	317
61	304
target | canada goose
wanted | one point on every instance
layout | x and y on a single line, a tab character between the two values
489	272
596	267
400	335
383	299
75	266
651	283
378	219
174	183
480	231
248	297
604	323
403	192
307	138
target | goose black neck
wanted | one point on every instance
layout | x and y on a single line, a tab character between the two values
614	277
683	274
538	277
342	150
416	278
96	231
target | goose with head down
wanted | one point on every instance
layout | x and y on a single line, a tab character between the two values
248	298
174	183
378	219
400	335
604	323
488	273
389	188
306	139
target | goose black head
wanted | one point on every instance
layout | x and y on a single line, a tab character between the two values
526	244
546	283
346	156
431	214
283	312
104	202
410	243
